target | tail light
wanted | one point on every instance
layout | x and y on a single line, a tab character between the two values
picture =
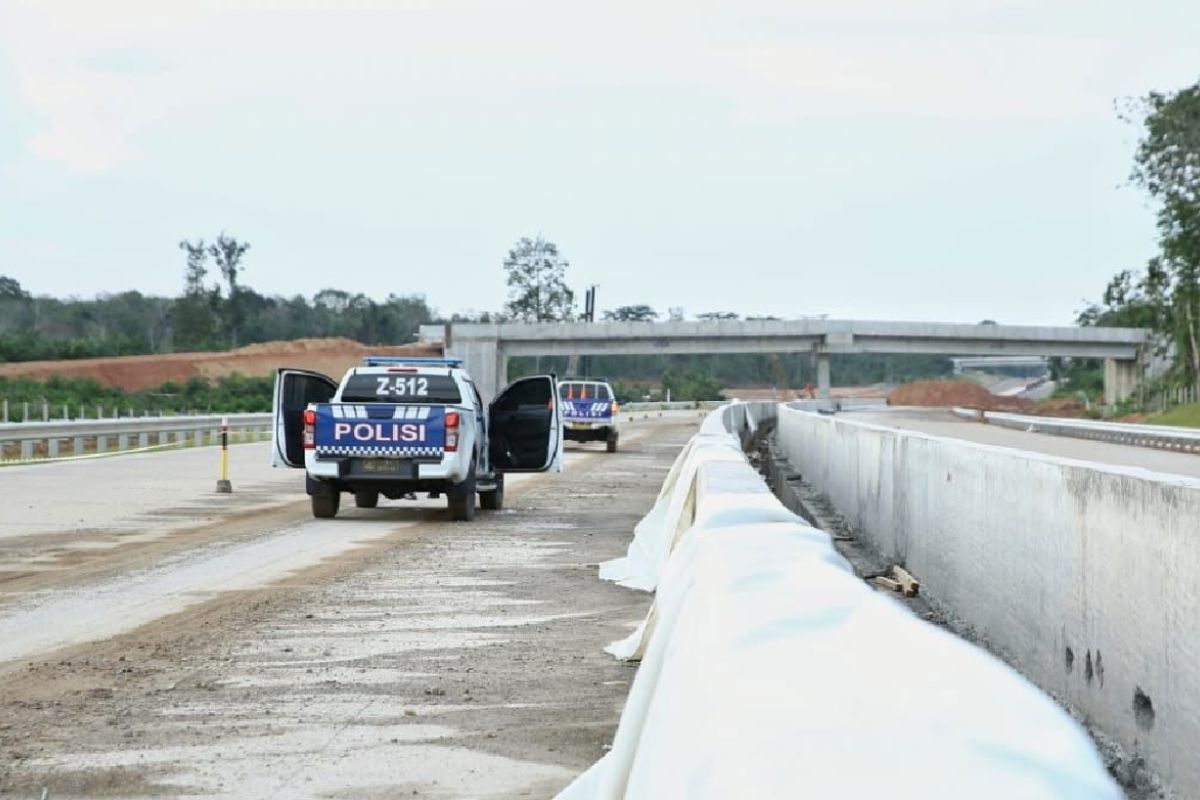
310	421
615	407
452	431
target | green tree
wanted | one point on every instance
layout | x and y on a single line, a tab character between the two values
1167	165
194	315
10	289
537	288
692	384
228	252
638	313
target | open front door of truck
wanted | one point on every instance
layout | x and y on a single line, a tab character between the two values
294	390
525	426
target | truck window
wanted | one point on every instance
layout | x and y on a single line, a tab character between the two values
584	390
525	395
401	387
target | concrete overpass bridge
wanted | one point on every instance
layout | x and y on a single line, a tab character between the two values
486	348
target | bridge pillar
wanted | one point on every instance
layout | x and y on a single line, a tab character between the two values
823	381
485	361
1122	379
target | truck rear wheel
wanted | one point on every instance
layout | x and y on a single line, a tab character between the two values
325	505
366	498
610	444
493	500
461	499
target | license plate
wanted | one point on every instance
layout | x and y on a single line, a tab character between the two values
578	426
389	465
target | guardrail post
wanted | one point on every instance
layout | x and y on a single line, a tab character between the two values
25	411
101	443
52	447
198	438
26	449
122	441
143	440
45	411
223	484
77	446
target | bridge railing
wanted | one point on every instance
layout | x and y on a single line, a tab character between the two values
30	441
1158	436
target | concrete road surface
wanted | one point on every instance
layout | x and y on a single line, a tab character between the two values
159	640
941	422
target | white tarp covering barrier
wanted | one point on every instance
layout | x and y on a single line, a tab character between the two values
769	670
654	535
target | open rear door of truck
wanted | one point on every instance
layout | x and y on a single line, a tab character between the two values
294	390
525	427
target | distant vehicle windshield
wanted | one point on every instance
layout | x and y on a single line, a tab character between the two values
584	390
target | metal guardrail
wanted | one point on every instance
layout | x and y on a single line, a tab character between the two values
1162	437
836	404
31	441
684	405
38	441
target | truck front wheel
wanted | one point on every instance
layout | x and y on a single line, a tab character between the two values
325	505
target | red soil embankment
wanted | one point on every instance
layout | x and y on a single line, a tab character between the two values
131	373
954	393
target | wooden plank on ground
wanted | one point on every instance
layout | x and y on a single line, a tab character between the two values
908	584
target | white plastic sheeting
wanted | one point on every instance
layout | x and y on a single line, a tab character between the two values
769	670
655	534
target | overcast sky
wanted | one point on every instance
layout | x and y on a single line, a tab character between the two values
926	159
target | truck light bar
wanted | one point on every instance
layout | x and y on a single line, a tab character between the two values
413	361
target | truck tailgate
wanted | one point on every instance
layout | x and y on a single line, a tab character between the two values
380	430
591	410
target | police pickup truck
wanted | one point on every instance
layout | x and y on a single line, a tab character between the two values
589	411
401	425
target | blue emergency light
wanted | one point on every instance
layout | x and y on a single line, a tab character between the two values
412	361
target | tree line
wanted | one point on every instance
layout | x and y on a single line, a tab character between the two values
89	399
1164	293
217	310
206	316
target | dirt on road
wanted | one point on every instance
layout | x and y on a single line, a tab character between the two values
438	660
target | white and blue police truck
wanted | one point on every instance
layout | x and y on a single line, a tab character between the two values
396	426
590	412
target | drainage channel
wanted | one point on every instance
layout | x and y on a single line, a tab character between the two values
801	497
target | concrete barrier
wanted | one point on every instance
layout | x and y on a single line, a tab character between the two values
770	670
1081	575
